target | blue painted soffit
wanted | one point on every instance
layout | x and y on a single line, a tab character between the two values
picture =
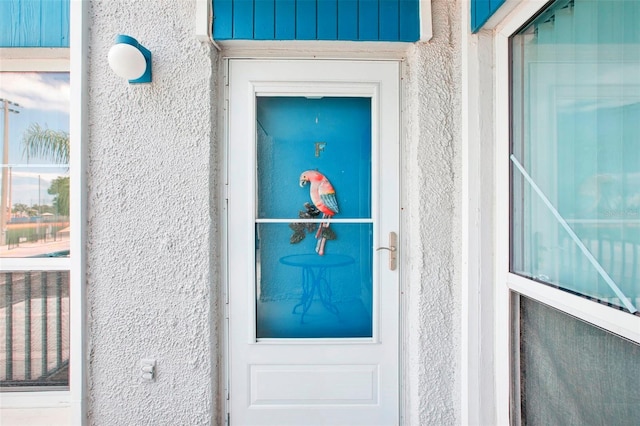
34	23
353	20
481	11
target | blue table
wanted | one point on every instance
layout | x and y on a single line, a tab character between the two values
314	278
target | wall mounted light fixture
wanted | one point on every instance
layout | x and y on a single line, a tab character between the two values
131	60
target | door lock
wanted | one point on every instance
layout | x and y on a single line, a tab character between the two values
393	242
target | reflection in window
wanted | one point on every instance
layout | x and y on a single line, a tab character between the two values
35	171
34	338
576	150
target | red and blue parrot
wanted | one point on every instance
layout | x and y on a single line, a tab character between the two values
323	196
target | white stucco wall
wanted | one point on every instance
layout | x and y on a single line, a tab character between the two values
151	284
432	188
153	245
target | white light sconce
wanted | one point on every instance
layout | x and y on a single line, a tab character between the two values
131	60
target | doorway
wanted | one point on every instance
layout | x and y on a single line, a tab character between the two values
312	214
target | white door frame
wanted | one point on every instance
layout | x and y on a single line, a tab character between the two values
379	240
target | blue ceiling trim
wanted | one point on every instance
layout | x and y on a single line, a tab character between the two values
481	11
354	20
34	23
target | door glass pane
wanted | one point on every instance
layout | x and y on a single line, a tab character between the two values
314	232
576	150
302	294
331	135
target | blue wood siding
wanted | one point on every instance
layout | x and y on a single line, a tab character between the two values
328	20
481	11
285	21
264	27
357	20
34	23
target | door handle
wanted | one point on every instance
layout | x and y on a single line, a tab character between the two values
393	242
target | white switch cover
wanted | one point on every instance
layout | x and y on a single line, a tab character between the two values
148	370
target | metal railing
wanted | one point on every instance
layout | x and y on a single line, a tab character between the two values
34	348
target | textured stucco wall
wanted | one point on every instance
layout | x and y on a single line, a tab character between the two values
151	275
432	191
152	212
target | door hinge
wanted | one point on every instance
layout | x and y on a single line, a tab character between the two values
226	72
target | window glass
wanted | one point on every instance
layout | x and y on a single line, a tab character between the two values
331	135
575	154
35	224
35	171
314	271
300	294
34	337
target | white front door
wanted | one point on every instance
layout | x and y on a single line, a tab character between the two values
313	194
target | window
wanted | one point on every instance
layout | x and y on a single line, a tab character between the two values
57	273
576	151
40	263
36	219
573	213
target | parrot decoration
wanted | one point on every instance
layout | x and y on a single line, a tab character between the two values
323	197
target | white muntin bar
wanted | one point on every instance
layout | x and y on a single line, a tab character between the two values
318	220
625	301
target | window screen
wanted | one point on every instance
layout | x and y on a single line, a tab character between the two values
572	373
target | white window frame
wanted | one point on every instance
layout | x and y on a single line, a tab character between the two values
607	318
72	60
487	283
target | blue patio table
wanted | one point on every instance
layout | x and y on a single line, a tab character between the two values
314	278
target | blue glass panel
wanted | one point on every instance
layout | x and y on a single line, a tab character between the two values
576	151
331	135
303	295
